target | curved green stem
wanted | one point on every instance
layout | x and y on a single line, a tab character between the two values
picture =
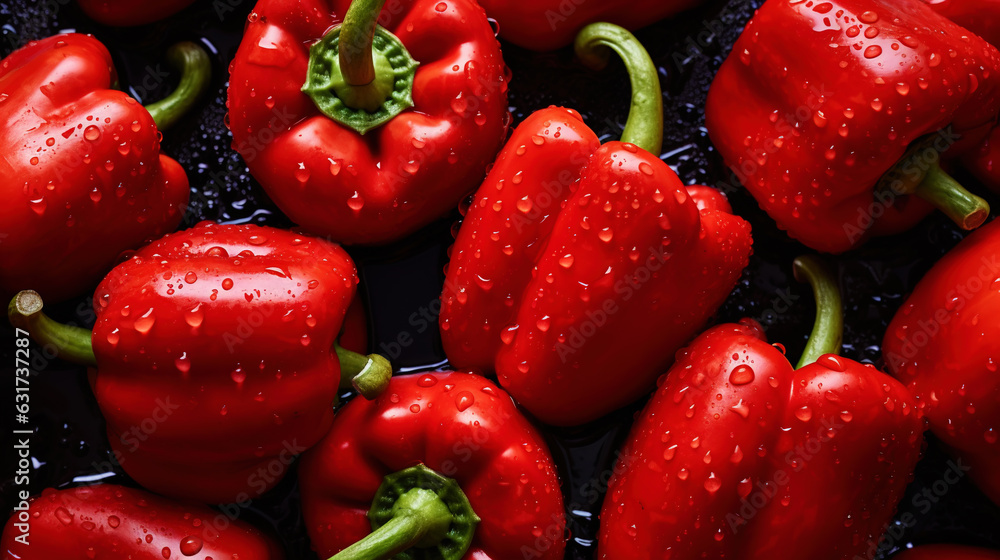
369	375
828	329
196	70
356	35
967	210
70	343
418	515
644	127
359	73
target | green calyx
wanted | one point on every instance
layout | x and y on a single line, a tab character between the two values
919	173
72	344
368	375
593	46
416	514
828	329
361	107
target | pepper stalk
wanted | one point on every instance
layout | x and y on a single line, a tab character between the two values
416	514
915	174
593	46
359	73
828	328
196	71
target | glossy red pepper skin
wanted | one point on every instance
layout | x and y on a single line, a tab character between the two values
551	24
982	17
458	424
234	328
572	253
397	178
83	177
109	522
984	162
813	107
124	13
739	456
949	551
942	344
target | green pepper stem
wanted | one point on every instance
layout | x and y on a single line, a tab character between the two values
369	375
418	516
644	127
196	71
70	343
828	329
967	210
356	35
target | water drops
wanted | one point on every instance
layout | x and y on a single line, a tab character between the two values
427	381
463	400
356	202
832	362
741	408
191	545
145	322
873	51
64	516
804	413
183	363
712	483
741	375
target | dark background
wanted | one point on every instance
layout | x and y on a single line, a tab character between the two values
69	445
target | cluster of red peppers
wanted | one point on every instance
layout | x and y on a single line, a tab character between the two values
580	278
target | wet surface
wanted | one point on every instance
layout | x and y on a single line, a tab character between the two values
402	282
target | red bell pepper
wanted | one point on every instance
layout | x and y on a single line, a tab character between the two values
833	115
948	551
83	177
549	24
215	356
109	522
982	17
368	155
571	249
124	13
942	344
740	456
414	467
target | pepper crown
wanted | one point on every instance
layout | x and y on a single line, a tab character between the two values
416	514
360	74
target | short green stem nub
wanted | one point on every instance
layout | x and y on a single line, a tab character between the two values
828	329
360	74
416	514
196	71
644	127
69	343
967	210
368	375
